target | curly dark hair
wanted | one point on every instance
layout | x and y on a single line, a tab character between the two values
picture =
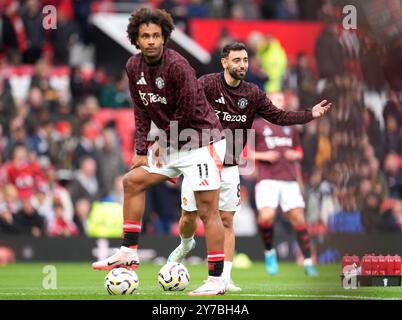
147	15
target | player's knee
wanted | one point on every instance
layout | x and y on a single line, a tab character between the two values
131	184
227	221
206	215
266	216
266	219
189	218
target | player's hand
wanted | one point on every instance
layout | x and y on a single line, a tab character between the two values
292	155
320	109
139	161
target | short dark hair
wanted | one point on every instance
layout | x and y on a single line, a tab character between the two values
147	15
233	46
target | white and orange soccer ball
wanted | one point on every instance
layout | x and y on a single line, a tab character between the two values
173	276
121	281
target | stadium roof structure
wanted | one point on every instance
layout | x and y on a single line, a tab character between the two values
114	25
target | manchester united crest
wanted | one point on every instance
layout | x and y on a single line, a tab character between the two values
160	83
242	103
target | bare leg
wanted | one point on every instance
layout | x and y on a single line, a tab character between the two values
227	220
188	223
207	205
135	183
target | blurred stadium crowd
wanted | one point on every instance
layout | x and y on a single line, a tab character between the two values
62	154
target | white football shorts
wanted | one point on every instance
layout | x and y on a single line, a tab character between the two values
229	192
271	193
201	167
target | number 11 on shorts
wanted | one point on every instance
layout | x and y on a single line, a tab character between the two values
203	173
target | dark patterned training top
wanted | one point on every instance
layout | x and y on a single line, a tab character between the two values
236	108
165	92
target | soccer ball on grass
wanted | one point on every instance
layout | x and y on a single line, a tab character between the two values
173	276
121	281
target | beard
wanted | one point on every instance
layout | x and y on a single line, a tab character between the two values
236	75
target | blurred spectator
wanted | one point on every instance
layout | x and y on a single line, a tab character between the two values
6	217
244	10
37	109
323	153
178	10
329	52
39	142
62	146
117	193
309	144
58	193
287	10
85	184
369	205
393	63
82	11
13	33
27	176
393	108
81	117
63	38
115	94
11	198
197	9
393	174
374	133
28	221
306	82
309	9
82	209
85	81
391	218
44	94
215	65
61	225
371	56
111	163
32	18
274	62
393	138
87	144
268	9
7	107
378	178
63	112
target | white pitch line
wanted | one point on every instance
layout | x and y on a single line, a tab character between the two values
300	296
338	296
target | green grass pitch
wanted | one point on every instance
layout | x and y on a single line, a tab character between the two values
76	281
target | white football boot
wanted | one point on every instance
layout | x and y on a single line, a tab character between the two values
181	251
213	286
124	258
231	287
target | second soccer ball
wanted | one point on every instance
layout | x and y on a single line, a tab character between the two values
173	277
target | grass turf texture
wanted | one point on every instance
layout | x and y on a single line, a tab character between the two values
76	281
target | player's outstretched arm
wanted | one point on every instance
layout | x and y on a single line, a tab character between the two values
321	108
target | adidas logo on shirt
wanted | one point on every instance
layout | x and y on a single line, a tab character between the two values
142	79
221	100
